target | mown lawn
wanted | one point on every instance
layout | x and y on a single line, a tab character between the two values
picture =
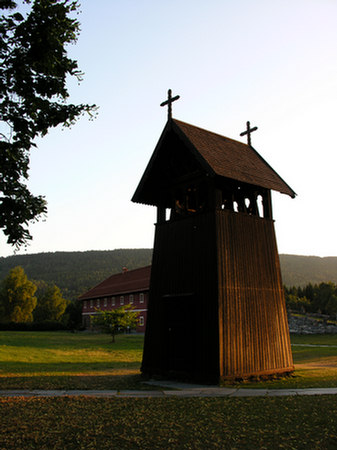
169	423
88	361
63	360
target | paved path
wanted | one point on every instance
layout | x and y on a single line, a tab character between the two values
175	390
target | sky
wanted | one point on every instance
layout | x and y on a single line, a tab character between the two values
273	63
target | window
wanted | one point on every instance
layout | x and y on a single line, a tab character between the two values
141	298
131	298
113	301
85	304
98	303
91	303
105	301
121	300
141	321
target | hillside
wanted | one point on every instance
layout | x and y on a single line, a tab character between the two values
300	270
77	272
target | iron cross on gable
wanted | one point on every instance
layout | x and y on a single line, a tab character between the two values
248	132
169	102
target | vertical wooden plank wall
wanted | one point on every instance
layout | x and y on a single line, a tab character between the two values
253	327
184	262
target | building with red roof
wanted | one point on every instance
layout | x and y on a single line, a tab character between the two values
127	287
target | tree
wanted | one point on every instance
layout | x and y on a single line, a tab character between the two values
33	69
331	306
323	293
17	300
117	320
50	303
293	302
73	315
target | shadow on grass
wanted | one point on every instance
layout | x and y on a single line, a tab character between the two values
119	379
52	368
70	341
302	378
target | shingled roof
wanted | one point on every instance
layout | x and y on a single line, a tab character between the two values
136	280
218	156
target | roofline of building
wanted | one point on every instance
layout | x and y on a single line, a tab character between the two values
85	296
81	298
173	125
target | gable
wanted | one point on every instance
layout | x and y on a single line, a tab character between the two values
186	151
173	162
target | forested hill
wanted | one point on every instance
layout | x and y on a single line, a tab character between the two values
300	270
77	272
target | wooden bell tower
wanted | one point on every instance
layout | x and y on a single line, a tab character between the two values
216	307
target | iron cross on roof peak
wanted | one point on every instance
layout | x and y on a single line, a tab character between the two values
248	132
169	102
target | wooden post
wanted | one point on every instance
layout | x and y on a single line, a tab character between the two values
161	214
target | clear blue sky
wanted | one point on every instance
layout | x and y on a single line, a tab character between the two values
271	62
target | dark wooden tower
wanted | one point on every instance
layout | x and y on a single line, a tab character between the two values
216	306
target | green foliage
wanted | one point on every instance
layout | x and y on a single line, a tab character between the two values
318	298
297	303
46	325
76	272
331	305
117	320
50	303
34	67
73	315
19	305
17	300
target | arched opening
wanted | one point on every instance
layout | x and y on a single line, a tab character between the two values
259	203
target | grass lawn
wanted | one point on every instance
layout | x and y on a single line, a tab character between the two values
63	360
169	423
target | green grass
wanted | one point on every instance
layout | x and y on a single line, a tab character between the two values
169	423
87	361
64	360
316	339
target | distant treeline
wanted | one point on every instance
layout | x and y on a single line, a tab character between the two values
318	298
76	272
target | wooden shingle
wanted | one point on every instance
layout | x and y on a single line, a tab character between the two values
212	154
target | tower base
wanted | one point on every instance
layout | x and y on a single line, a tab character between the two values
216	306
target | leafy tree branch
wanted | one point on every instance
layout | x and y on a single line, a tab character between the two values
117	320
34	67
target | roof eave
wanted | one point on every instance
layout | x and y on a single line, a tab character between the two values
287	190
137	197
